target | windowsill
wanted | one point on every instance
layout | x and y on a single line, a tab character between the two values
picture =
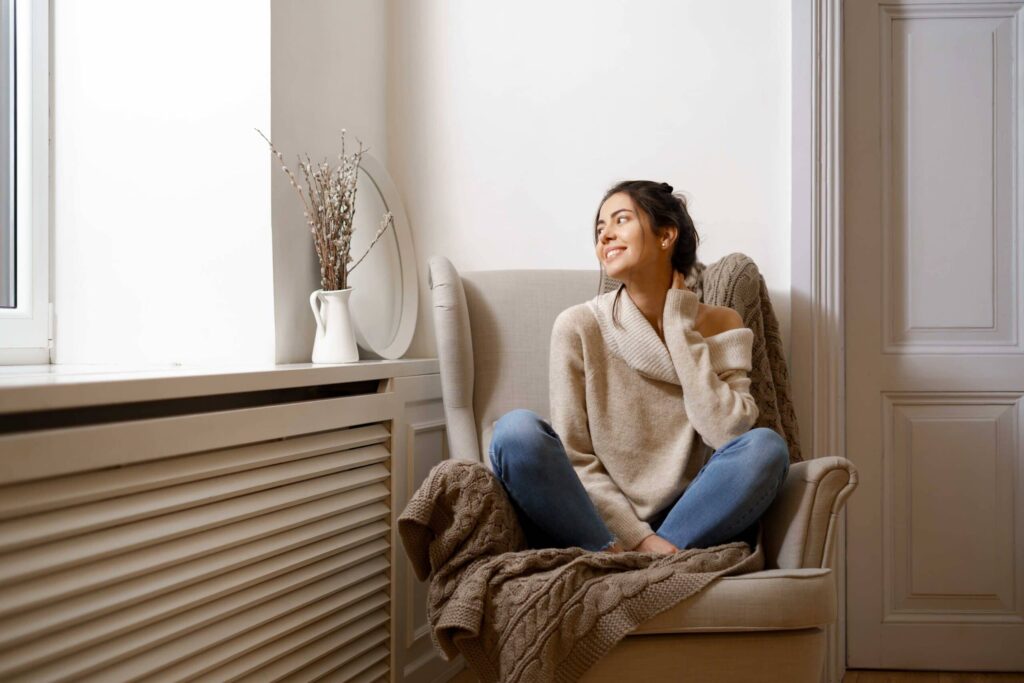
26	388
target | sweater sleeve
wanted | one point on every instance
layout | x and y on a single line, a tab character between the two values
569	420
713	372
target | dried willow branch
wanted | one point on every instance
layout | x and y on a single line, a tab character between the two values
386	222
328	203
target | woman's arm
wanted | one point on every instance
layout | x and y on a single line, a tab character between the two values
569	420
716	386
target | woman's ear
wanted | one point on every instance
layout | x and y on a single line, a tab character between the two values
669	237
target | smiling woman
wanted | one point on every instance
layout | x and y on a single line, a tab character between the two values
636	400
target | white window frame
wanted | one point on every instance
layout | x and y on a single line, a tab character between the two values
26	331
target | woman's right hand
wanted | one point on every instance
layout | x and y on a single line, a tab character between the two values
656	544
679	281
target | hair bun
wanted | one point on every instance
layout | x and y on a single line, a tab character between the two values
666	187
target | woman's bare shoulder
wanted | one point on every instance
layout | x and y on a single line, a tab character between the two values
717	319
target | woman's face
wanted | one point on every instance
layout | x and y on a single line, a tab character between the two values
621	236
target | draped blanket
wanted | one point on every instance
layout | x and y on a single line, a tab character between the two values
520	614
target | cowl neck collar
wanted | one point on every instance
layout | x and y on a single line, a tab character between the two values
631	337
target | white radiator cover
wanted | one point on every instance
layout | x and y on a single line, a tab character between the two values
205	556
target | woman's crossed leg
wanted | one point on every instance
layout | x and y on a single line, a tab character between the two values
729	494
723	502
552	505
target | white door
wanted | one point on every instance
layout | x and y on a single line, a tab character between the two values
933	105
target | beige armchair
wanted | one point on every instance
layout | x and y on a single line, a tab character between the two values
493	330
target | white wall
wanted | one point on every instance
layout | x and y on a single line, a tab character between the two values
161	186
508	122
329	72
502	126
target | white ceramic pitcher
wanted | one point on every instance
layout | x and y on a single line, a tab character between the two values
335	337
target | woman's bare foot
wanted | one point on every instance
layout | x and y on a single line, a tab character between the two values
656	544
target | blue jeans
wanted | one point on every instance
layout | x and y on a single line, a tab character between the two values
722	504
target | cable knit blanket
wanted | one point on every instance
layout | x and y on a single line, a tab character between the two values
520	614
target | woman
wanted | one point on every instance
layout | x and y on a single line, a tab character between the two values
645	382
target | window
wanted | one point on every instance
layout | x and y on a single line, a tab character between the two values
25	330
8	293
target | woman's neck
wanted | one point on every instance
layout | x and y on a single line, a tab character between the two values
650	297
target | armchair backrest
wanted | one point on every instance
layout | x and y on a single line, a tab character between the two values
500	361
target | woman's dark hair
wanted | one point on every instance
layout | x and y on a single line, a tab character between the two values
662	208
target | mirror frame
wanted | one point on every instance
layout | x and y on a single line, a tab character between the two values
399	345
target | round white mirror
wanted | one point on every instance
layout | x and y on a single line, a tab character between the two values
384	300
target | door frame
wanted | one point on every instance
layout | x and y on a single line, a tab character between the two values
817	342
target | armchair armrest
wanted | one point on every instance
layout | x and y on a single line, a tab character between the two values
799	526
455	356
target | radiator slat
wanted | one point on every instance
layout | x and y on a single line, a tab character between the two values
267	653
182	636
90	577
341	666
375	674
77	520
352	544
60	492
98	544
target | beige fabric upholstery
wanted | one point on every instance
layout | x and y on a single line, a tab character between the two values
455	356
511	337
749	657
799	527
763	601
493	330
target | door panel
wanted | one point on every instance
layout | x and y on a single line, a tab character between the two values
933	257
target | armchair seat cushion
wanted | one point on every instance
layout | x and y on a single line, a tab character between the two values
775	599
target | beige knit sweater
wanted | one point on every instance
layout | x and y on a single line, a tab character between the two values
639	417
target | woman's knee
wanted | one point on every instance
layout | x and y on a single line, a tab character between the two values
772	452
517	437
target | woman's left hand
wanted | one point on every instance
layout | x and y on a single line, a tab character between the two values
679	282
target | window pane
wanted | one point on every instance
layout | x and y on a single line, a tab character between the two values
8	242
